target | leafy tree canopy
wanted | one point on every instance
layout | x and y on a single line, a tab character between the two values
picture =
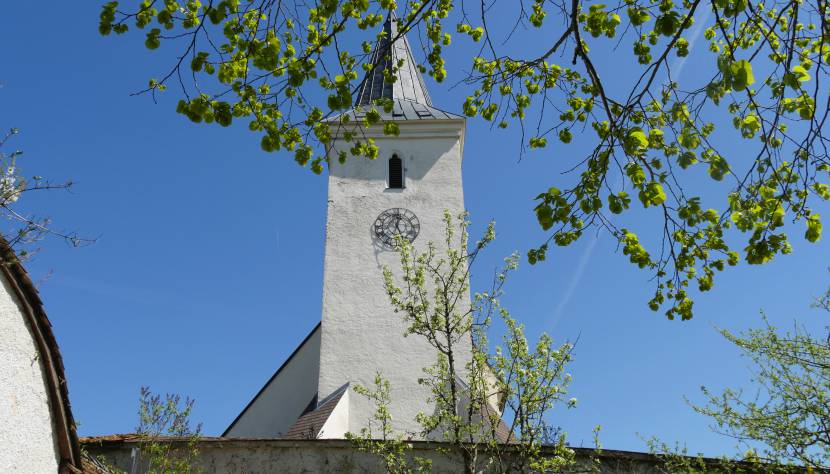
265	62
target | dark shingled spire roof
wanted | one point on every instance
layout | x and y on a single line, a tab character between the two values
409	86
409	93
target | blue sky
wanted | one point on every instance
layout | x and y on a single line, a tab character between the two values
208	265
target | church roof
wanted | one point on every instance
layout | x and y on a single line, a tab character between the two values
408	91
274	377
310	423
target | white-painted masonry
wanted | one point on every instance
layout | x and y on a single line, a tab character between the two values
338	422
27	441
361	335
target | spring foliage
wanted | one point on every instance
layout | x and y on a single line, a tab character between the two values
492	407
286	69
169	444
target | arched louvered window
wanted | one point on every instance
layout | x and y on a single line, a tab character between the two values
395	172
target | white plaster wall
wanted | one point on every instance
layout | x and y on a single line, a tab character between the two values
361	334
338	423
285	397
27	443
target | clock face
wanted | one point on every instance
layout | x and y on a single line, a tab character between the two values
393	222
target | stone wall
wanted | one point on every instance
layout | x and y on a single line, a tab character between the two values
237	456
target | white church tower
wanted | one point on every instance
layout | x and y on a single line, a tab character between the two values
404	191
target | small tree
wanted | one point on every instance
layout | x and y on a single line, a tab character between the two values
788	420
785	425
676	459
378	437
471	386
167	417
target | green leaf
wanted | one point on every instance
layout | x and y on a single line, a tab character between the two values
813	233
538	142
750	126
686	159
638	15
619	202
391	128
635	174
668	24
801	74
742	76
152	41
636	142
544	214
718	167
652	194
372	116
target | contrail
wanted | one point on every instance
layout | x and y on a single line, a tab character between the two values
588	253
576	280
679	63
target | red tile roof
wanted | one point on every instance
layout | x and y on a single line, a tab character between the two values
308	426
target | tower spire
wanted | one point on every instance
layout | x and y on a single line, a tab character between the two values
389	50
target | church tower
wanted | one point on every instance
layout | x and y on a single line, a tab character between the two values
416	177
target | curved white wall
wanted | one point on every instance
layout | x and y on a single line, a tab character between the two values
27	444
